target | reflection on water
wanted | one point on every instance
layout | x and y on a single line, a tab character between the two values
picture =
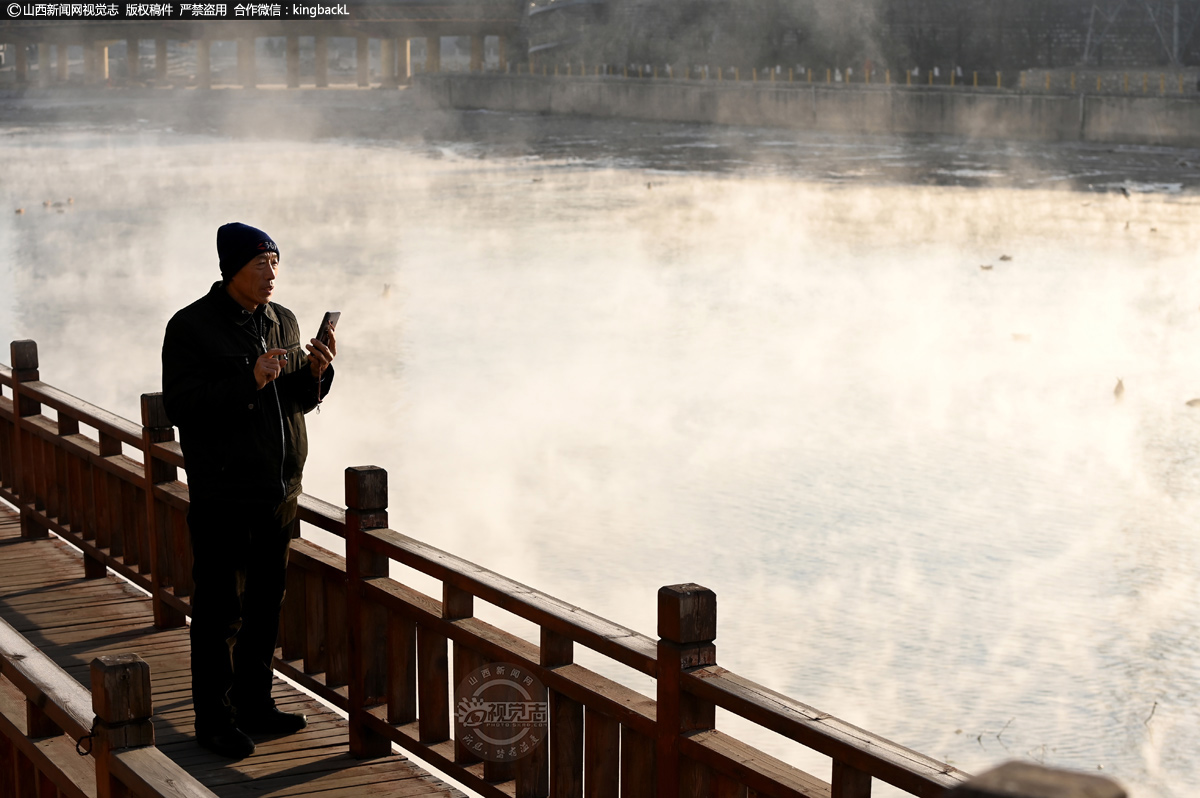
601	368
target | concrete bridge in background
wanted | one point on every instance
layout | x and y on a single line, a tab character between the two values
40	47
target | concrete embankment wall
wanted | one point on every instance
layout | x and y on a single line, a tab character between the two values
1160	121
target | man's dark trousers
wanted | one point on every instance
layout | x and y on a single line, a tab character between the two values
240	553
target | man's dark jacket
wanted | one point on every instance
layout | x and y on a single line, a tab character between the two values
239	444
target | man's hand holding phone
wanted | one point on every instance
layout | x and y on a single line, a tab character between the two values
269	366
323	348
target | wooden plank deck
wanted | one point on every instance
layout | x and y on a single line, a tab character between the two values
44	596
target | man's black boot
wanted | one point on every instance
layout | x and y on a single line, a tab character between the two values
229	741
271	721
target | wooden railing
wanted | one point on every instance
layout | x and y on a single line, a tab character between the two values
39	756
388	655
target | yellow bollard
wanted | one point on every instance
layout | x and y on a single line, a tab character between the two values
1047	81
720	74
810	76
1099	83
975	79
754	75
930	73
1145	83
888	76
908	79
1072	81
1126	82
829	76
866	76
790	75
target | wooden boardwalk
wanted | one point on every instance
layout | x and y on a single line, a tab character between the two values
44	595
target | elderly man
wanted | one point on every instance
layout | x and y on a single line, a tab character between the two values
237	385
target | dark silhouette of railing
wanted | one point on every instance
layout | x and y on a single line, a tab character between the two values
388	655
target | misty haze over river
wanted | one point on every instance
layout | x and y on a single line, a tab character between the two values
602	356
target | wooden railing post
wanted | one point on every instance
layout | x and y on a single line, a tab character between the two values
366	508
24	355
122	702
849	782
566	722
1027	780
38	722
157	428
687	627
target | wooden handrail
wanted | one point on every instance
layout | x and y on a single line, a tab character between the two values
378	649
49	691
880	758
45	685
108	423
603	636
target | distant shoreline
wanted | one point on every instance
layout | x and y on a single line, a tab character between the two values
1169	120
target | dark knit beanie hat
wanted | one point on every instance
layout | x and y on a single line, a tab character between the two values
238	243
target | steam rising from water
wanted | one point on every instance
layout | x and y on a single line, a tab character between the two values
906	477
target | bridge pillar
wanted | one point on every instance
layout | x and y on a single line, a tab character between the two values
204	64
98	63
133	59
293	62
362	57
404	68
387	63
22	64
160	59
321	61
433	54
43	76
476	53
64	65
247	74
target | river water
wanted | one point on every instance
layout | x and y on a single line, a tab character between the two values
864	390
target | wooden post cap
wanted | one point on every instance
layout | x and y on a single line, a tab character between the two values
366	488
24	354
1027	780
687	614
154	411
121	688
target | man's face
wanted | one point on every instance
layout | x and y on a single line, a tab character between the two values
255	282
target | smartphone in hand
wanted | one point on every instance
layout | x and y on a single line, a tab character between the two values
328	324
